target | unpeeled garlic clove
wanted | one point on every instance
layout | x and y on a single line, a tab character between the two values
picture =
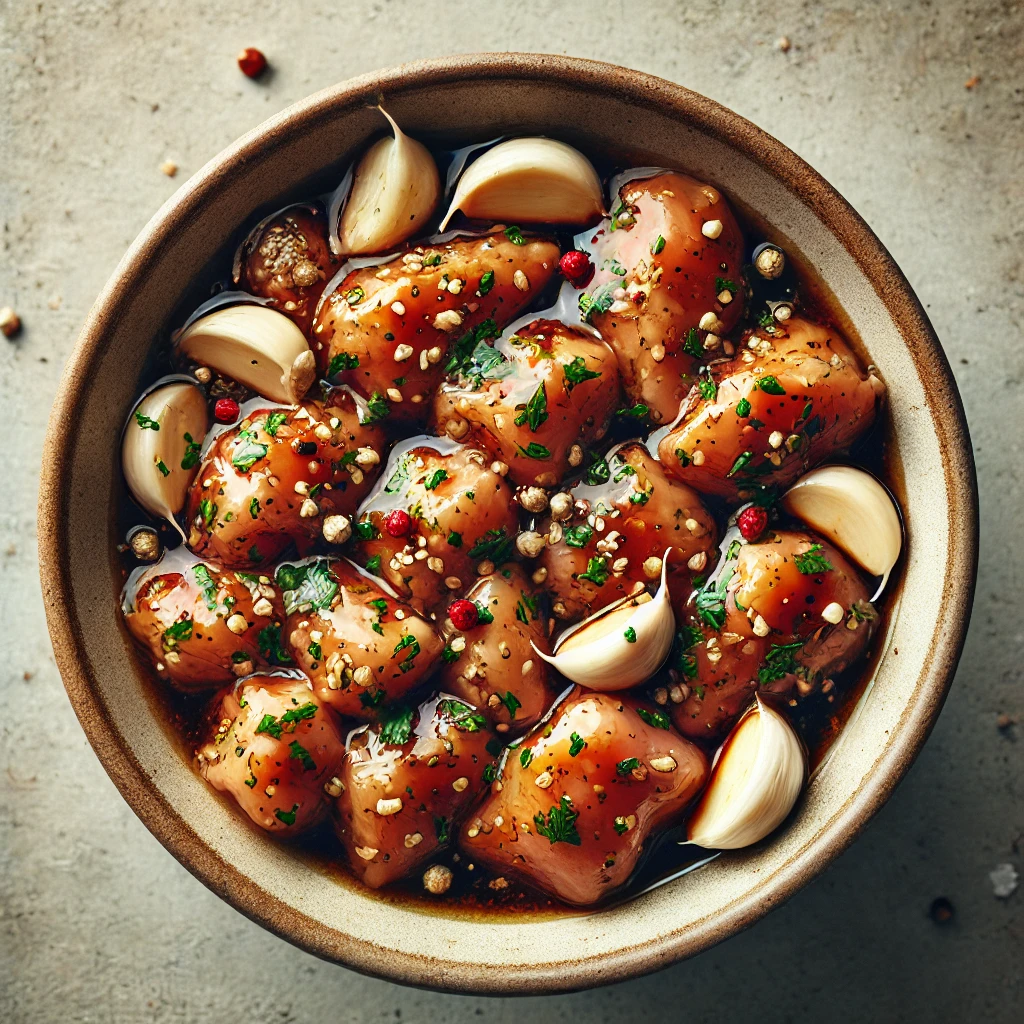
755	781
160	447
854	511
620	646
530	180
395	191
254	345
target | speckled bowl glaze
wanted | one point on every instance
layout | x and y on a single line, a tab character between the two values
599	108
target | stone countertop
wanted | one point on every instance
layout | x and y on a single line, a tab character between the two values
914	111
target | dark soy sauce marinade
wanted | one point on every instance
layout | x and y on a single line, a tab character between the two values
819	718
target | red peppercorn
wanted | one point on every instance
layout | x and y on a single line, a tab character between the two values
226	410
463	614
752	522
252	62
397	522
576	267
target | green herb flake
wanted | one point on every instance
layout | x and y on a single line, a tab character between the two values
597	571
483	614
288	817
397	727
514	235
742	407
307	587
576	744
525	757
315	651
493	546
630	635
297	752
269	724
578	536
248	451
576	372
742	460
176	632
274	421
269	642
770	385
162	467
377	408
692	346
208	510
779	662
462	716
206	585
512	703
534	451
635	412
811	562
627	766
560	826
435	478
656	718
486	282
535	412
657	245
192	452
723	284
620	826
708	388
455	539
254	507
145	422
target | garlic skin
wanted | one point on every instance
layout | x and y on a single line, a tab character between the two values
597	653
395	190
755	781
179	410
853	510
530	180
257	346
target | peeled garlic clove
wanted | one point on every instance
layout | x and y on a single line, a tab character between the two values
754	784
256	346
160	447
396	189
620	646
531	180
854	511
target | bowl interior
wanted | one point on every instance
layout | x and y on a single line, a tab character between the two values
599	108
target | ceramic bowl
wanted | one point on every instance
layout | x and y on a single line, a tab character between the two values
600	108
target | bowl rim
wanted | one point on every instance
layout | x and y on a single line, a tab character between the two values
918	717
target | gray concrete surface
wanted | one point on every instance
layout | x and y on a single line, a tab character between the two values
98	922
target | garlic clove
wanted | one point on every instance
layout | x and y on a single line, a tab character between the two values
254	345
395	190
755	781
854	511
621	645
160	447
531	180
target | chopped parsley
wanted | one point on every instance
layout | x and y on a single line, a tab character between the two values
598	471
397	727
288	817
597	571
435	478
535	412
708	388
275	420
208	510
462	716
578	536
268	640
626	766
723	284
309	587
248	451
630	635
620	826
464	348
576	372
779	662
192	450
486	282
770	385
373	564
711	601
455	539
742	407
483	614
297	752
206	585
657	245
635	412
811	561
254	507
377	408
342	361
162	466
441	830
145	422
512	703
525	757
577	744
560	826
514	235
493	546
412	645
692	346
176	632
534	451
314	650
742	460
656	718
